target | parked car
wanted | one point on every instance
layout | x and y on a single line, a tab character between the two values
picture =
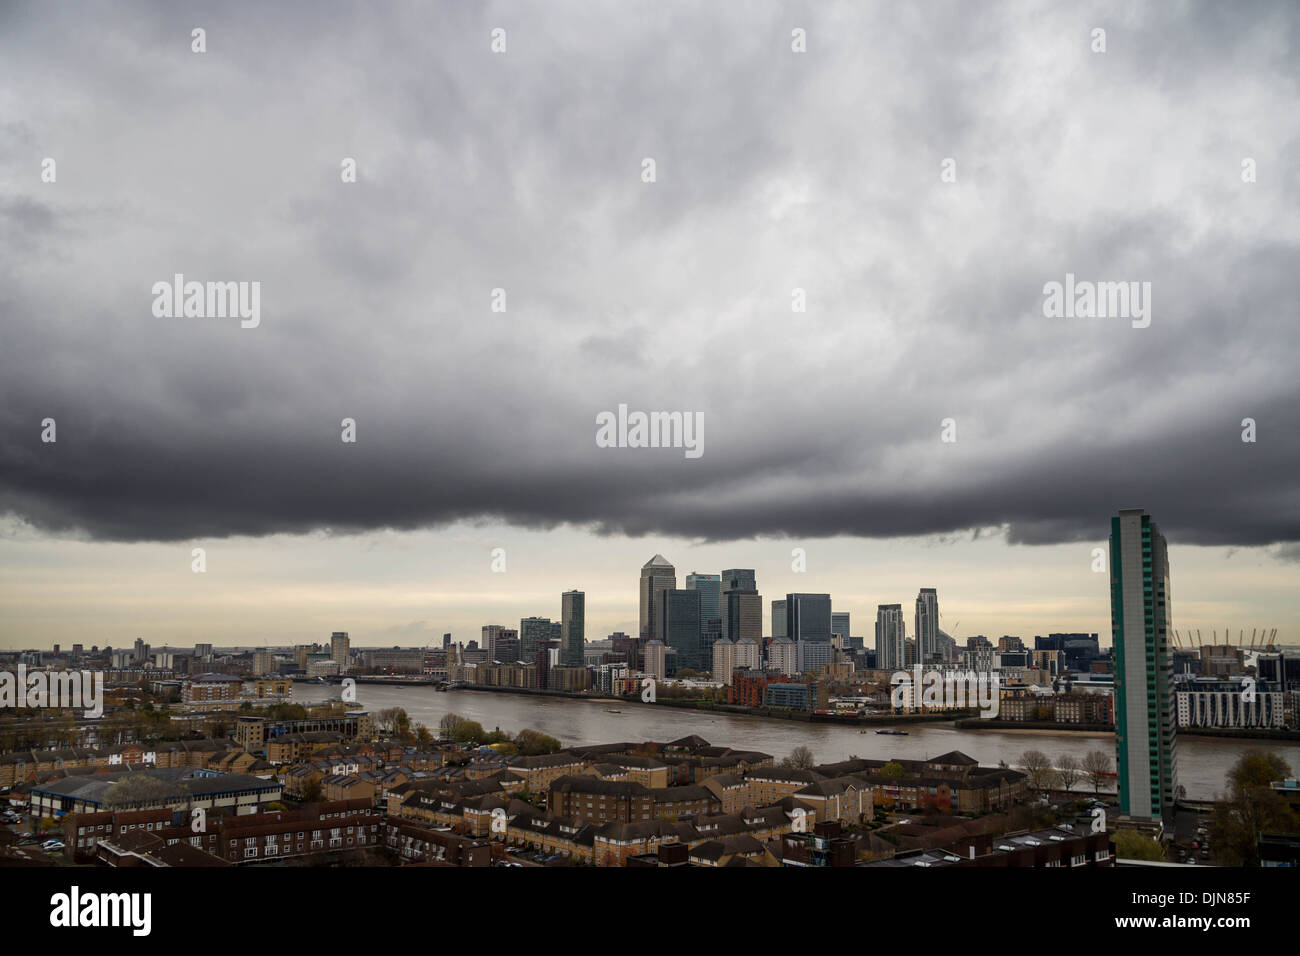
52	846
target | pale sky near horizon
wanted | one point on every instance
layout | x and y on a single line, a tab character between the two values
410	588
916	174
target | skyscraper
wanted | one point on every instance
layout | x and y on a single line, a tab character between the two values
573	613
808	617
1145	737
778	619
657	575
743	615
680	612
840	625
494	632
340	650
533	631
926	630
710	588
741	606
891	637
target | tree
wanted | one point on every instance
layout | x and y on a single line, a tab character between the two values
893	770
1131	845
1251	807
468	732
312	791
449	723
1069	770
1096	764
1037	768
801	758
533	742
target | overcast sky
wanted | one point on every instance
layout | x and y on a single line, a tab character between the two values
523	171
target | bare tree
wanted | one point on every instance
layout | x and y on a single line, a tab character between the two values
801	758
1037	767
1096	765
1069	770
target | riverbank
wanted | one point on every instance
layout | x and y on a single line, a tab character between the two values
955	718
1099	730
1046	726
730	710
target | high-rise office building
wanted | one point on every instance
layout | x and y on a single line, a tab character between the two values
840	625
739	579
778	619
891	637
573	613
533	631
1145	735
710	588
656	659
741	616
680	612
813	657
926	630
493	633
340	650
657	575
808	617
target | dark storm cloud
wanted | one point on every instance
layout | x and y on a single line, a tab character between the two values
775	171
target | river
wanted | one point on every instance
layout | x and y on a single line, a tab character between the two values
1202	761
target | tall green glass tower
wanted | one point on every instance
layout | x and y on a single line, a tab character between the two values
1145	736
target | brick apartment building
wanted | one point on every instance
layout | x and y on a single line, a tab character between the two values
592	800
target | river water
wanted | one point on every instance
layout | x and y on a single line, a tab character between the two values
1202	761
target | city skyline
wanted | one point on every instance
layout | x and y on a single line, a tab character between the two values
964	611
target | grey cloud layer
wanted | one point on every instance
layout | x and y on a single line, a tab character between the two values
776	171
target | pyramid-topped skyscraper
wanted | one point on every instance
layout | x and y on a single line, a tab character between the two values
657	575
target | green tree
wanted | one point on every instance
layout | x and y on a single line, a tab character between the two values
468	732
533	742
1251	807
893	770
1131	845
